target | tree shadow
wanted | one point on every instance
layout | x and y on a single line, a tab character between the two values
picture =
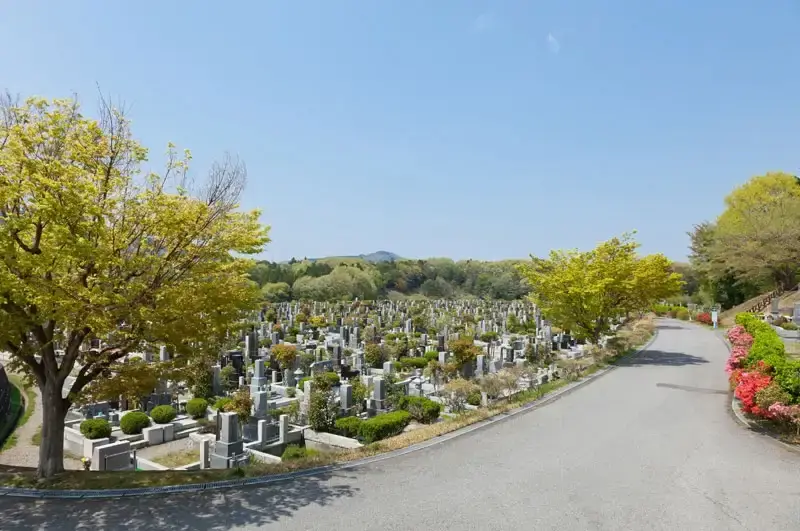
246	507
670	327
660	357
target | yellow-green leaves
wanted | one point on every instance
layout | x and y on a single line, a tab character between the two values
92	247
757	237
583	291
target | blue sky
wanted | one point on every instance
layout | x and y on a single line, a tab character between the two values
452	128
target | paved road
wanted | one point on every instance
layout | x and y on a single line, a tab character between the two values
651	445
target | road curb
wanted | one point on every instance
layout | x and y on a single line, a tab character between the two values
12	492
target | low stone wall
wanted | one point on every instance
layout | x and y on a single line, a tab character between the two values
328	442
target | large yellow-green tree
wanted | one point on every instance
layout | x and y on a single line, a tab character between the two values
94	248
583	291
757	237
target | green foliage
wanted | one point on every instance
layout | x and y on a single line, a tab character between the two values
375	355
95	246
134	422
769	348
95	428
583	291
360	393
294	452
464	351
163	414
285	355
771	394
474	397
489	336
327	380
345	279
242	404
413	363
422	409
383	426
221	403
204	384
229	378
196	407
349	426
682	314
322	410
431	355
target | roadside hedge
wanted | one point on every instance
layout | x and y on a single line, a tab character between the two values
383	426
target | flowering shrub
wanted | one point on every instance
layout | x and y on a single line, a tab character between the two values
751	383
739	337
705	318
785	413
736	359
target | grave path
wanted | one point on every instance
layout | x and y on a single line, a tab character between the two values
650	445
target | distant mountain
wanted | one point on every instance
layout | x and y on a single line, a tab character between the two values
374	258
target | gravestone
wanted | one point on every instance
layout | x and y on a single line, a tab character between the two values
346	398
230	445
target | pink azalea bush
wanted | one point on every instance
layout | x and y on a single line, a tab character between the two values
739	337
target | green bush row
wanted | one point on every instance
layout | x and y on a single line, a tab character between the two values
413	363
349	426
769	348
383	426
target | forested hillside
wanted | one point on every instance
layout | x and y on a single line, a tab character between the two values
348	278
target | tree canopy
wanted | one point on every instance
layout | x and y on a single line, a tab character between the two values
583	291
95	249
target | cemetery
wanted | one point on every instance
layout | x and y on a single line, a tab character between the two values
301	379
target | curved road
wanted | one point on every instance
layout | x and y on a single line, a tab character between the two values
650	445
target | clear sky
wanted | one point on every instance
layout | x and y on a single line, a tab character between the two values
460	128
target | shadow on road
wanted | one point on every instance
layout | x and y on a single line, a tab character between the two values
669	327
659	357
249	507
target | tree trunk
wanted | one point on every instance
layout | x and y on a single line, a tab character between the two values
54	411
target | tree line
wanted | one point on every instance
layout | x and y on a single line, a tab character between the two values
346	279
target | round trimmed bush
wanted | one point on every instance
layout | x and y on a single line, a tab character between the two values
163	414
95	428
196	407
682	314
134	422
422	409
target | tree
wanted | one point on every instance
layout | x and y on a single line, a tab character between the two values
583	291
276	292
242	404
285	355
464	351
758	234
228	378
93	249
375	355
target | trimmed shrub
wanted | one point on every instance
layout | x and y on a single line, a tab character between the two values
134	422
163	414
682	314
302	381
349	426
788	325
421	409
772	394
431	355
291	392
196	407
222	403
383	426
474	398
330	378
294	452
414	363
96	428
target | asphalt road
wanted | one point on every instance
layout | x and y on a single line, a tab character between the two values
651	445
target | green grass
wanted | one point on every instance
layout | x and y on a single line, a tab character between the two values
13	416
36	439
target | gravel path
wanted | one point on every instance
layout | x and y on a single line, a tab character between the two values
24	453
652	445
